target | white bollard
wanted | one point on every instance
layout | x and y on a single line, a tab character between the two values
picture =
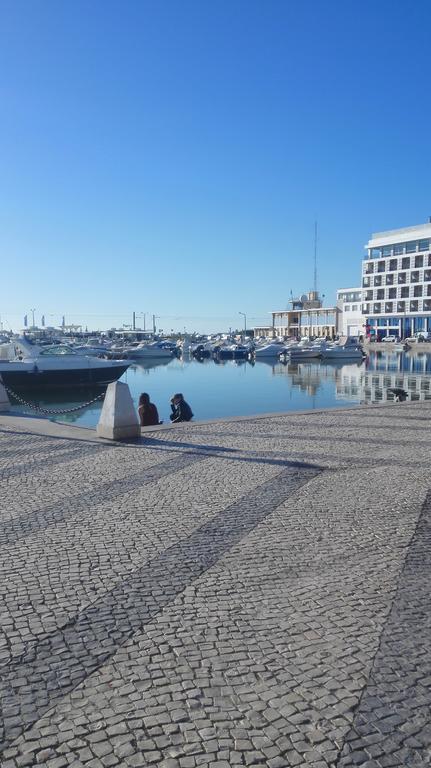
4	400
118	420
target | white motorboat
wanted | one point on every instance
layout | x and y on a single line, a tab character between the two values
347	347
58	366
271	349
148	350
304	350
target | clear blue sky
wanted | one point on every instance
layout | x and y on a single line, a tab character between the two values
172	157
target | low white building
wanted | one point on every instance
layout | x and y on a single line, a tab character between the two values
350	320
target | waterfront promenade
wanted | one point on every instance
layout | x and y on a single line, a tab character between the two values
231	593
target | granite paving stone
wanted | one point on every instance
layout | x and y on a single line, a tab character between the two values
231	593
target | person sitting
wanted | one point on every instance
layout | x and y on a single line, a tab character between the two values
148	414
181	410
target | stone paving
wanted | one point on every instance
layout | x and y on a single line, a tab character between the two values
238	593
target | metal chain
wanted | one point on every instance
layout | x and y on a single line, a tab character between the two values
51	411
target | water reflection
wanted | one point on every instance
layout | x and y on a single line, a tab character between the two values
145	366
41	402
366	381
224	388
382	372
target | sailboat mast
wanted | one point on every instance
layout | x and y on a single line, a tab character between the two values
315	258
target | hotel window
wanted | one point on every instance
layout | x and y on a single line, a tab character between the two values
392	293
368	295
380	294
429	260
381	266
429	290
393	264
378	280
366	282
427	275
417	291
414	277
401	306
401	278
365	308
388	306
405	292
424	245
389	279
405	263
376	253
347	307
411	246
376	309
414	306
419	261
399	249
387	250
427	305
369	268
354	307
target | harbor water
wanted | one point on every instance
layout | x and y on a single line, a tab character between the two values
217	390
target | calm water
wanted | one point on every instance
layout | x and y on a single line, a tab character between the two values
240	388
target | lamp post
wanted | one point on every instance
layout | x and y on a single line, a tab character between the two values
245	322
139	314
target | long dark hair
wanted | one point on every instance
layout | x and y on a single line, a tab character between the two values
144	399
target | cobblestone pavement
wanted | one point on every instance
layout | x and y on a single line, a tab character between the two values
239	593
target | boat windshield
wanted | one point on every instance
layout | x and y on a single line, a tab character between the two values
59	349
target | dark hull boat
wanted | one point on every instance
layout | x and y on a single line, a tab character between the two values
57	367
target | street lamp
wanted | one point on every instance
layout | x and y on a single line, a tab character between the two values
139	314
245	322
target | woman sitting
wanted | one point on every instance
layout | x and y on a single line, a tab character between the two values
148	414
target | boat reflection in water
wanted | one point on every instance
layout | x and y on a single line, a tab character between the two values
369	381
220	389
145	366
384	371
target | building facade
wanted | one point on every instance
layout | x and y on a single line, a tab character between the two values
396	282
306	318
350	321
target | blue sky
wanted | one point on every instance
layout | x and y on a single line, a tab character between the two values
171	157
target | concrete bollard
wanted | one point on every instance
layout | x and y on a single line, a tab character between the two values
4	400
118	420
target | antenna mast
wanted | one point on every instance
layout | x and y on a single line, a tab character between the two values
315	257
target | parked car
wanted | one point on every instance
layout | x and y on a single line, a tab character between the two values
419	336
390	338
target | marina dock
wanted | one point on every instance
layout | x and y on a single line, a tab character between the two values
246	592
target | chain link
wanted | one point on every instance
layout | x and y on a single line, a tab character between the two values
52	411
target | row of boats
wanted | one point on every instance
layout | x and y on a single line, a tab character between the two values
24	364
344	348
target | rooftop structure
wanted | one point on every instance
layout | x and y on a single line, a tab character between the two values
306	318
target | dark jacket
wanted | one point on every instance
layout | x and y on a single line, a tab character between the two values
181	412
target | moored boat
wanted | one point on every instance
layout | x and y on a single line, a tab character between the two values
54	367
147	350
270	349
347	347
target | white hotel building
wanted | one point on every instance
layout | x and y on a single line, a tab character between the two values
396	282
